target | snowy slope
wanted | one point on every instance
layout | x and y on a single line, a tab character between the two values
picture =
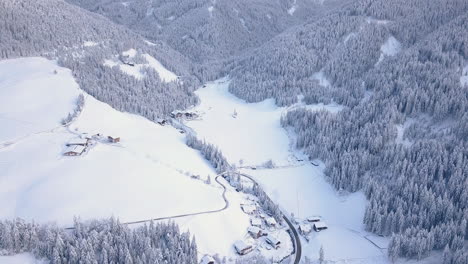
147	175
40	99
254	136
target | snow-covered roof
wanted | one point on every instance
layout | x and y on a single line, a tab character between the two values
207	259
320	224
256	221
270	221
272	240
313	218
248	208
254	229
241	245
75	148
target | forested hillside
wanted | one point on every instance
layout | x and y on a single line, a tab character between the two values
106	241
81	41
402	138
207	30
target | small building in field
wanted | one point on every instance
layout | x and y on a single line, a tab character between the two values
74	150
255	231
313	219
207	259
242	248
273	241
113	139
305	229
271	221
249	208
162	122
77	143
319	226
256	222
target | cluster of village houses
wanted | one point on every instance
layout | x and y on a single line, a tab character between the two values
259	222
311	223
81	145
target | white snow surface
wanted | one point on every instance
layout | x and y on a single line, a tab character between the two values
136	70
41	98
24	258
390	48
255	136
90	44
464	77
146	175
321	78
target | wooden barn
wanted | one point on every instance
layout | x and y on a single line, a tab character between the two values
113	139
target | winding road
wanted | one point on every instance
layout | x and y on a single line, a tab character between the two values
226	205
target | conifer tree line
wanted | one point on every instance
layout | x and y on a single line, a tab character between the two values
106	241
209	152
416	181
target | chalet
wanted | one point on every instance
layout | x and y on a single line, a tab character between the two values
256	222
242	248
74	150
249	208
113	139
305	229
255	232
319	226
271	221
273	241
313	219
207	260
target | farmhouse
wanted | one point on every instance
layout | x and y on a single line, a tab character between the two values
256	222
207	260
319	226
305	229
113	139
74	150
273	241
242	248
249	208
271	221
255	232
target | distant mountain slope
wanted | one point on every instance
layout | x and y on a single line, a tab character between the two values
209	30
82	41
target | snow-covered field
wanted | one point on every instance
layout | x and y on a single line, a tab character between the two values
146	175
255	136
26	107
